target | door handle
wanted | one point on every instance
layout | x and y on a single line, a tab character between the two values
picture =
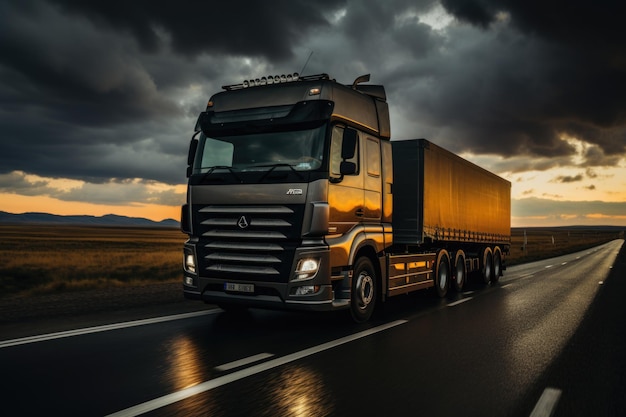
359	212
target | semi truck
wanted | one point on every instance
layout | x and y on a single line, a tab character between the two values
299	199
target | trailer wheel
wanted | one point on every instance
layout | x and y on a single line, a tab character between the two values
364	291
460	271
486	267
497	264
442	273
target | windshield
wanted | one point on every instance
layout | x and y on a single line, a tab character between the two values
300	150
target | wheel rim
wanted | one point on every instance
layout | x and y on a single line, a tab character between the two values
365	290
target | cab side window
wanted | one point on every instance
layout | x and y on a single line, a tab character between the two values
373	157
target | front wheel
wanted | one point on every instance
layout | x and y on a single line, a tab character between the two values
364	292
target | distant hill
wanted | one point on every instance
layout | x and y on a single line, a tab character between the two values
106	220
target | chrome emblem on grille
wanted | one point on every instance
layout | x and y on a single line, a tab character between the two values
243	222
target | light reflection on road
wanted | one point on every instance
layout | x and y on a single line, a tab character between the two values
184	360
297	391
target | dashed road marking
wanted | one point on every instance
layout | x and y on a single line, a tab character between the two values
459	301
547	403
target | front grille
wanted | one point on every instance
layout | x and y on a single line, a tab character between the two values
252	243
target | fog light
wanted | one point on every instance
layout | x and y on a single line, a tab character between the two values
307	268
190	263
189	282
307	289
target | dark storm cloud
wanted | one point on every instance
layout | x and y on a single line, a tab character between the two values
97	90
236	27
569	77
90	90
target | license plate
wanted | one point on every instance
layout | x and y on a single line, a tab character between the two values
233	286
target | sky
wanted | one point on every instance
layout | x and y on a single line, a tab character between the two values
98	99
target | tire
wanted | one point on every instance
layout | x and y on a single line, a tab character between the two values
364	290
497	265
460	271
486	266
442	273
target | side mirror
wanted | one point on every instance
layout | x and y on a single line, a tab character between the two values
193	147
348	144
347	168
191	155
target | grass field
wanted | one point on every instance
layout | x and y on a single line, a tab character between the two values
529	244
50	258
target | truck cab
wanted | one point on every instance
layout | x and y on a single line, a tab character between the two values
289	189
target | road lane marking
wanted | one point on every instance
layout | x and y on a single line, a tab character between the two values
456	303
104	328
564	263
548	266
245	361
246	372
547	403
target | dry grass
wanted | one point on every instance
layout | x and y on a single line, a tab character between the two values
38	259
43	259
542	243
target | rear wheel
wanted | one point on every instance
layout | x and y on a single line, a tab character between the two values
460	271
486	267
497	264
442	273
364	291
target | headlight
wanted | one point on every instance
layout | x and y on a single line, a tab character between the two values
307	268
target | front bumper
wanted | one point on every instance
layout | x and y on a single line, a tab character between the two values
272	295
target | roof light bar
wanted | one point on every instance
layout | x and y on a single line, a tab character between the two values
275	79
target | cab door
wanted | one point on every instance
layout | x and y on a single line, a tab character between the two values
372	184
345	191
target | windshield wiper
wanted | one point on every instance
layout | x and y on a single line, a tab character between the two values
274	166
213	168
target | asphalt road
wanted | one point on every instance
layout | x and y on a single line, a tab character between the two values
548	339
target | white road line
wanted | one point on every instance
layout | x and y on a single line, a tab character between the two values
246	372
564	263
104	328
245	361
547	403
549	266
505	285
456	303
